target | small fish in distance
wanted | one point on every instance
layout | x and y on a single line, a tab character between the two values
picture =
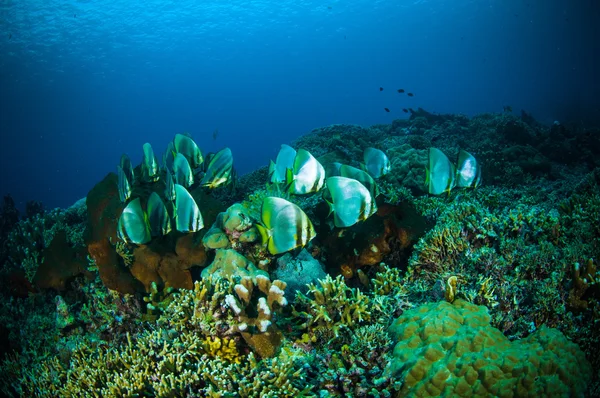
380	88
410	94
386	109
400	90
404	110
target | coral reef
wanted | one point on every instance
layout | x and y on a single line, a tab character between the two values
489	291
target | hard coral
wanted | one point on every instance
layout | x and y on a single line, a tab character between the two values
451	349
331	308
229	263
231	229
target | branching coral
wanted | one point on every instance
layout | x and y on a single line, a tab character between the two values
357	369
236	307
156	301
331	308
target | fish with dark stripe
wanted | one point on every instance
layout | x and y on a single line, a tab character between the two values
284	226
350	202
219	170
307	174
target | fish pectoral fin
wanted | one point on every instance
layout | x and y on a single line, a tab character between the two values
265	234
330	207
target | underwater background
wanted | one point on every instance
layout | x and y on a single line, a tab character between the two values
299	198
83	81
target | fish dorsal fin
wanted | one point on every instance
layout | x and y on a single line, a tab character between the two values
127	168
289	180
184	144
124	185
441	172
285	159
187	214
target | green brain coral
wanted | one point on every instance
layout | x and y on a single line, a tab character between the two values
448	349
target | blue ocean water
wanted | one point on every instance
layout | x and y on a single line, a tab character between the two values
82	82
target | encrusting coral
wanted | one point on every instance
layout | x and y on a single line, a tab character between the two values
231	229
229	263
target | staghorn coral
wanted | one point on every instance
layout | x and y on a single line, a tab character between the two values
107	314
283	376
451	349
156	301
161	362
200	309
25	244
331	308
224	348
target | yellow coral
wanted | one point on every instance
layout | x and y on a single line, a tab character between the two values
448	349
333	307
223	348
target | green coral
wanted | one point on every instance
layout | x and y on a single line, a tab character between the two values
408	166
282	376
